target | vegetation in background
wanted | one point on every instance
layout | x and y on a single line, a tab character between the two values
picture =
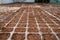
42	1
56	3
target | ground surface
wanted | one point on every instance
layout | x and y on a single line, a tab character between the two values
31	22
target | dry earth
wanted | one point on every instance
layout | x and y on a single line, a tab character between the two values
30	22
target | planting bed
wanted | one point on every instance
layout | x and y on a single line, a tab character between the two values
31	22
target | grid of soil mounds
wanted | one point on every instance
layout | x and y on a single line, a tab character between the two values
31	22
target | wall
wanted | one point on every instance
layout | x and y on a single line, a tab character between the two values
0	1
7	1
29	0
26	0
20	0
12	1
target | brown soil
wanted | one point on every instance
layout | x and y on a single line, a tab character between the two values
49	37
34	37
18	37
21	28
4	36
